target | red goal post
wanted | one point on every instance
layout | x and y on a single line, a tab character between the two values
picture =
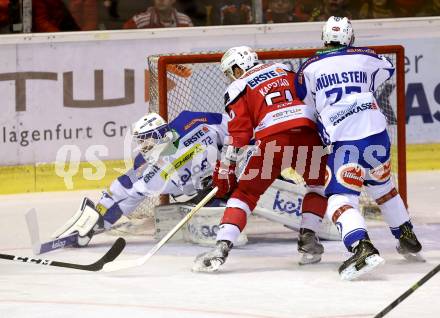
161	75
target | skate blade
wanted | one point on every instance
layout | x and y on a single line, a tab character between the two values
200	267
371	262
413	257
307	258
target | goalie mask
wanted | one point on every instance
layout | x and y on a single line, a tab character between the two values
338	30
241	56
152	135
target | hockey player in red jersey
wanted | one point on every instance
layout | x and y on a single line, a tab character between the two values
261	102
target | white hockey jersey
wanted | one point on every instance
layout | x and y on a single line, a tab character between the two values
340	83
179	170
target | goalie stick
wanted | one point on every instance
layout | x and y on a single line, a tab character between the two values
124	264
40	248
34	234
111	254
412	289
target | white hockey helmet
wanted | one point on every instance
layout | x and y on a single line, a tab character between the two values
152	135
338	30
242	56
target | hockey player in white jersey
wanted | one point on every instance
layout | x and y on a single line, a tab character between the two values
340	81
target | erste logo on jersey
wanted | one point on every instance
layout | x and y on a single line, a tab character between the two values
200	133
351	176
151	173
263	77
353	109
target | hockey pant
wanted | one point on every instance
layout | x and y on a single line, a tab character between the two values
299	149
356	164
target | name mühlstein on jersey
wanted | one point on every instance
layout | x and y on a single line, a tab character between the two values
326	80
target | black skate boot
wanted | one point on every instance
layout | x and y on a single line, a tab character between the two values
366	257
212	260
309	247
408	245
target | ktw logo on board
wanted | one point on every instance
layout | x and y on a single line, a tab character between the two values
21	79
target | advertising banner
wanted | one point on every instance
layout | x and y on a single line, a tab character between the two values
84	95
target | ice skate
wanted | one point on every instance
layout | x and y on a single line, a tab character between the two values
309	247
408	245
366	257
211	261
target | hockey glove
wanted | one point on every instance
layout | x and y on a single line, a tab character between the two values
224	178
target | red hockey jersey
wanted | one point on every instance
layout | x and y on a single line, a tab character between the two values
263	102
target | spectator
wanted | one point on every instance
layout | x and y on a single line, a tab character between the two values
161	15
430	9
328	8
4	16
195	9
52	16
85	13
279	11
229	12
407	8
376	9
304	8
112	8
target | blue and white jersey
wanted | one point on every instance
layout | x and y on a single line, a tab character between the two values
340	83
180	168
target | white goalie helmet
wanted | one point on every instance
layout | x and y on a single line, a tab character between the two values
242	56
152	135
338	30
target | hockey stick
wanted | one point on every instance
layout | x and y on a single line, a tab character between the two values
34	233
118	265
111	254
413	288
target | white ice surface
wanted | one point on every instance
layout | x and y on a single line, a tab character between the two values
261	279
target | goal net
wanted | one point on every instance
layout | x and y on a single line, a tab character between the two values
195	82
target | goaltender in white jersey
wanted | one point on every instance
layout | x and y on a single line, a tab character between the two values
177	159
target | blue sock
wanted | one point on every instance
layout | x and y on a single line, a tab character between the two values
397	232
354	236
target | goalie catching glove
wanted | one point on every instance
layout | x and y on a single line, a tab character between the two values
86	222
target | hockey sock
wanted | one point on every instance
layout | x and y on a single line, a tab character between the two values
394	213
233	222
310	221
342	209
352	227
313	210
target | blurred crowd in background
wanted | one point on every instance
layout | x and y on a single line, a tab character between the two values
86	15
